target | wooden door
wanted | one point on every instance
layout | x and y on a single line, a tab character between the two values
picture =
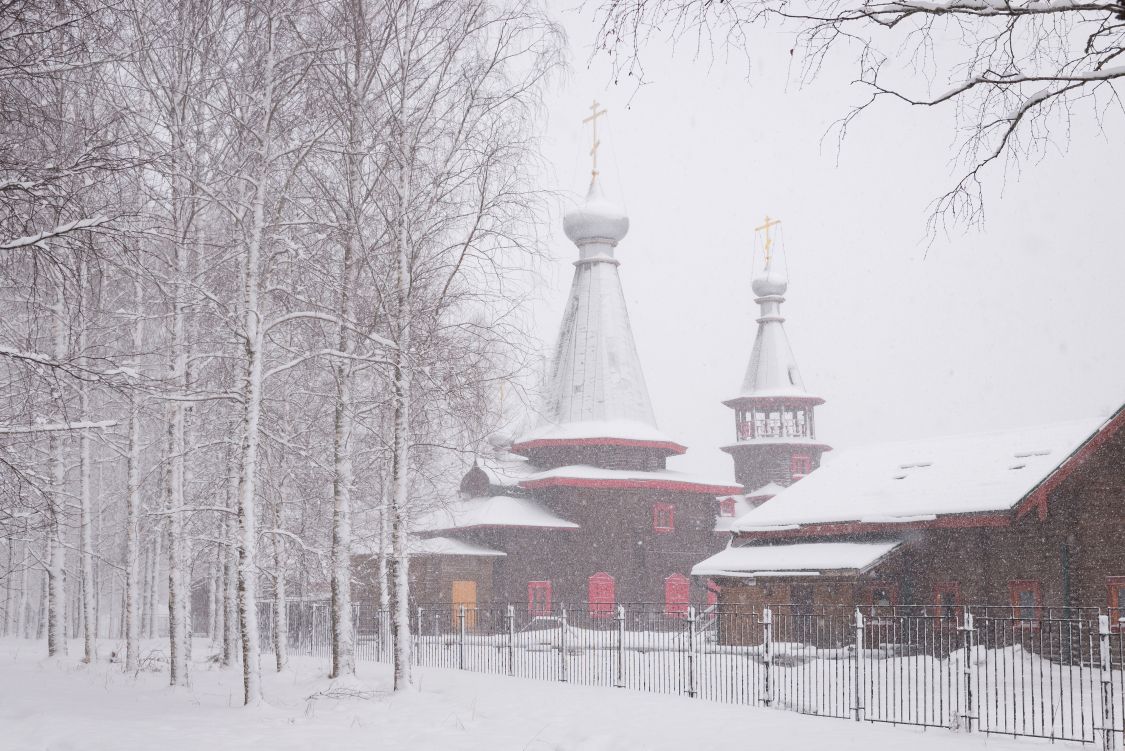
465	593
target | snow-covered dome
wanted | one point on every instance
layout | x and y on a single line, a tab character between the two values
771	282
597	219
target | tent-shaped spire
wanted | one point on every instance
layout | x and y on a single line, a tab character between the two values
772	372
596	392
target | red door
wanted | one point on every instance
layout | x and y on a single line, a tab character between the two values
677	595
539	598
600	595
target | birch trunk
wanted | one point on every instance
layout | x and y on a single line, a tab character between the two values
401	447
177	625
85	522
23	622
248	459
385	551
133	510
343	638
230	572
9	589
56	553
19	626
280	602
156	556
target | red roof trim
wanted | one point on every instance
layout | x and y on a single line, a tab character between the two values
960	521
536	443
630	484
769	401
1037	498
753	443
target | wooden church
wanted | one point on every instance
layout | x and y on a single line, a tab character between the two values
1028	518
581	509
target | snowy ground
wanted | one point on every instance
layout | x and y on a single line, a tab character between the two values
63	704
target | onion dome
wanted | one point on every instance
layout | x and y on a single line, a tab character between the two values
771	282
597	220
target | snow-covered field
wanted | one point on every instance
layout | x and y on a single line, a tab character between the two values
63	704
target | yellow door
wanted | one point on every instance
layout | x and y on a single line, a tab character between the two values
465	593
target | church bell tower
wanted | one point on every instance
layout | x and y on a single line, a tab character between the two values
774	421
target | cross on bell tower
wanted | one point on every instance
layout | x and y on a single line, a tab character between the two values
595	113
775	430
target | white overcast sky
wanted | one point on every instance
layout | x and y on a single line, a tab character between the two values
1020	323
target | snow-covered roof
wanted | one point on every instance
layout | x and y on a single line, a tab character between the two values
769	490
741	506
495	511
451	546
504	469
581	475
772	372
919	480
797	558
744	503
787	440
422	546
593	432
596	387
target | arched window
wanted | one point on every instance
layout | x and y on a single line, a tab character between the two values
677	595
600	595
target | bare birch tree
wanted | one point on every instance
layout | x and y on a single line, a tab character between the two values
1014	72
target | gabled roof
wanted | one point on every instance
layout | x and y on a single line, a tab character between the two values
742	506
769	490
494	511
795	559
419	546
599	478
925	482
744	503
596	388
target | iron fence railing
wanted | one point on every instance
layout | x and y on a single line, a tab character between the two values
1056	674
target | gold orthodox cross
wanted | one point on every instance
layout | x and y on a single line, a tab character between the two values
769	240
595	113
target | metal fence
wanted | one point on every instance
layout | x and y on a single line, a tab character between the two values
1047	674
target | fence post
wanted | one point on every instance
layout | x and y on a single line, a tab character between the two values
620	618
860	678
968	631
562	647
461	638
416	651
1107	682
511	616
691	666
767	654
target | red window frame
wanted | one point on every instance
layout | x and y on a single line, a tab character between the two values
944	588
800	464
726	507
601	595
1018	587
542	606
663	518
677	595
1114	584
